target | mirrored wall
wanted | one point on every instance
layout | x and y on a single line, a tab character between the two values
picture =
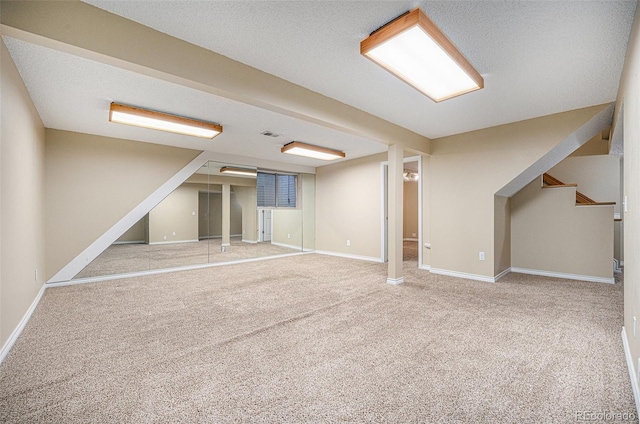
222	213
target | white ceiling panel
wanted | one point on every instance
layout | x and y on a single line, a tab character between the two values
537	57
73	94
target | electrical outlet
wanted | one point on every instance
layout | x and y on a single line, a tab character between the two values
164	237
193	213
288	236
174	233
481	256
348	243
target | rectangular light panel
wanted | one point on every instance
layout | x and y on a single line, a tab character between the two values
145	118
238	171
311	151
415	50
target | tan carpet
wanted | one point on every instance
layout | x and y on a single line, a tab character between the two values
126	258
410	251
318	339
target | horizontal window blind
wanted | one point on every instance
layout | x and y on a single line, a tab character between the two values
286	190
276	190
266	187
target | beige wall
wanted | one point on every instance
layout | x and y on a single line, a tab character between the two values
501	234
308	211
138	233
468	169
410	218
629	127
550	233
287	227
598	177
175	219
210	206
247	197
92	182
348	206
596	146
22	147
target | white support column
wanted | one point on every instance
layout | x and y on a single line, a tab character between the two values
226	215
395	210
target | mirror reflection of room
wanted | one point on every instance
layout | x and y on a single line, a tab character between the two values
222	213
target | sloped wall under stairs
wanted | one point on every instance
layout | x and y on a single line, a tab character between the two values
585	250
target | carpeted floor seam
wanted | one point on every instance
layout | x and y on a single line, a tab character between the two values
282	323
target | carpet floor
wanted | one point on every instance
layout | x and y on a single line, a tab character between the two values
126	258
316	339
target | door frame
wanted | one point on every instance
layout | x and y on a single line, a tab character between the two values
384	209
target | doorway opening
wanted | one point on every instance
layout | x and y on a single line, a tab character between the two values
412	210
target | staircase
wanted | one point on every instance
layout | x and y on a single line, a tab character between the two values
549	181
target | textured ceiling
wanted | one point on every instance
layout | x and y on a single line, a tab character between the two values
73	94
537	57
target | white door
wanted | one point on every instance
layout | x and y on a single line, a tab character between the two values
264	225
267	225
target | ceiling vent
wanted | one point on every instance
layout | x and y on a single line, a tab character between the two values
270	134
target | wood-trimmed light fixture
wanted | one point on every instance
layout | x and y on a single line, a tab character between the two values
311	151
415	50
238	171
130	115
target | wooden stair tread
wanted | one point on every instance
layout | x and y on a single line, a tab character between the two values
595	203
560	185
549	181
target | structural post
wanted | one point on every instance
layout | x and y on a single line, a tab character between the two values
395	212
226	215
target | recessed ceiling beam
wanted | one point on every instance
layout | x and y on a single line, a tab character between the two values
87	31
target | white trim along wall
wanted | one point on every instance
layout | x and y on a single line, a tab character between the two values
23	322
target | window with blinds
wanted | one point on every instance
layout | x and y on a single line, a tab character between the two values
276	190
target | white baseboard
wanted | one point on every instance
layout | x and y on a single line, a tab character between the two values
250	241
23	322
173	242
425	267
395	281
632	369
218	237
349	256
501	274
288	246
130	242
464	275
166	270
563	275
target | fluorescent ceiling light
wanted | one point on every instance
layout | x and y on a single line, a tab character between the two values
310	151
136	116
238	171
415	50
